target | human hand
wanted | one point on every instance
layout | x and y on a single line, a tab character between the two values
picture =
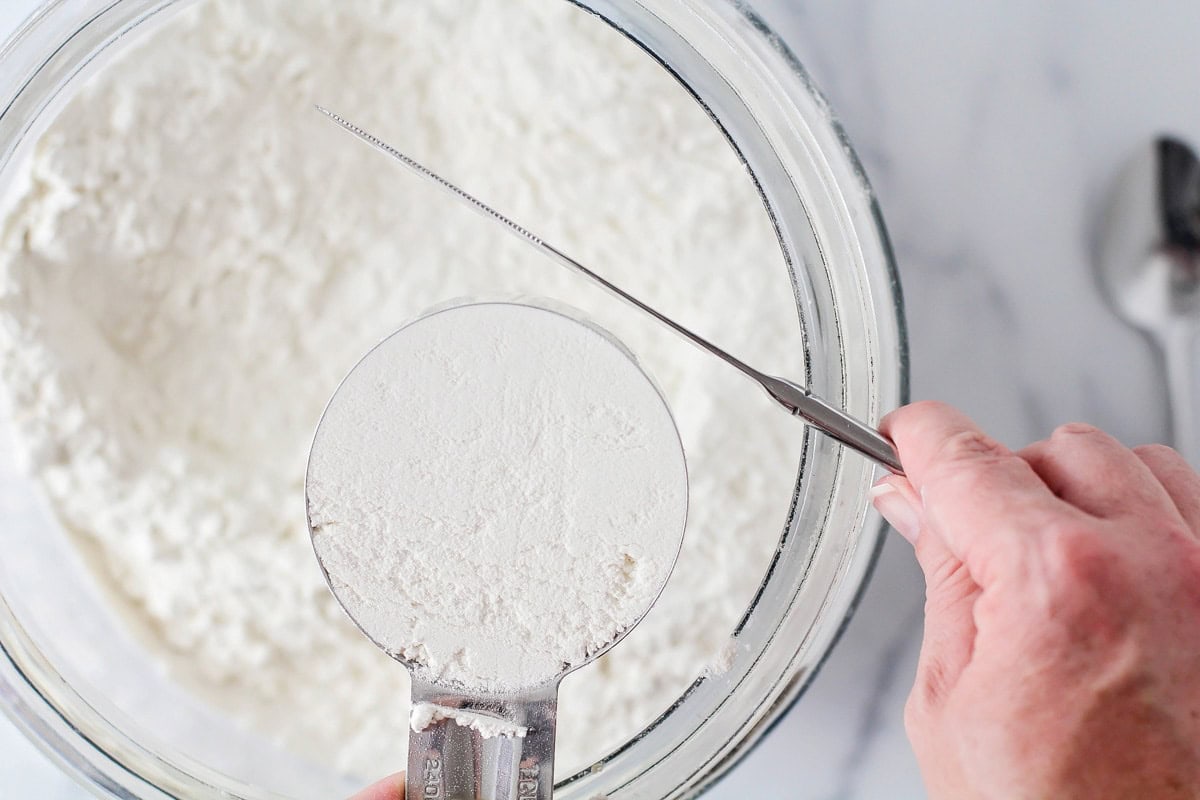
1061	655
390	788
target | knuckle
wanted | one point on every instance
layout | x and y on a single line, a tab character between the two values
1071	546
969	445
1189	560
1090	589
910	416
1082	564
1075	429
947	578
929	407
1189	581
1180	552
1176	533
1157	452
966	479
934	684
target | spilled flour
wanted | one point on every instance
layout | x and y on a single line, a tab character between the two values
496	492
197	256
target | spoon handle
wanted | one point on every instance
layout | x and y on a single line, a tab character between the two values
830	419
449	759
530	759
1180	356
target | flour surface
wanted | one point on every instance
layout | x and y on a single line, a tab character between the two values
496	492
197	256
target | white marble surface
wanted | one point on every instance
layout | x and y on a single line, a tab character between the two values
990	130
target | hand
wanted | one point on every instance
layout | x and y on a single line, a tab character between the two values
1061	656
390	788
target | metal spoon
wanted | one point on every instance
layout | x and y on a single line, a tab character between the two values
797	400
1149	267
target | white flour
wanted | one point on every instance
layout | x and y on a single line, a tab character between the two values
198	256
496	492
489	727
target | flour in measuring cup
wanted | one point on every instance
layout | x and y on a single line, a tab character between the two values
496	492
196	256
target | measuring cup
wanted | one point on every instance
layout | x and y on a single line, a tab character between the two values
467	742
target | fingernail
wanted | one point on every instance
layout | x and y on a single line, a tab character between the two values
897	510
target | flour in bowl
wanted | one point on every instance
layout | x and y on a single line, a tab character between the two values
197	255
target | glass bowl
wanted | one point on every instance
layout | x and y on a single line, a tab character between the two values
73	702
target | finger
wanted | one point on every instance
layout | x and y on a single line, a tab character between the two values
950	594
949	638
390	788
896	500
981	499
1178	479
1094	472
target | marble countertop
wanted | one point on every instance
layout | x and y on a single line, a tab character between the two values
990	131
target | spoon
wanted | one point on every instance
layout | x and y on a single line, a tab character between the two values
795	399
1149	268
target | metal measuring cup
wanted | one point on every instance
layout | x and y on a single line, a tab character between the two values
511	755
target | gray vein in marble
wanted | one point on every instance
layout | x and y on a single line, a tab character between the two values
880	693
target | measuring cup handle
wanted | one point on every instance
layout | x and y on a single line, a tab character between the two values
451	761
533	753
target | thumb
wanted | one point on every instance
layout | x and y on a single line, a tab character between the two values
390	788
950	594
